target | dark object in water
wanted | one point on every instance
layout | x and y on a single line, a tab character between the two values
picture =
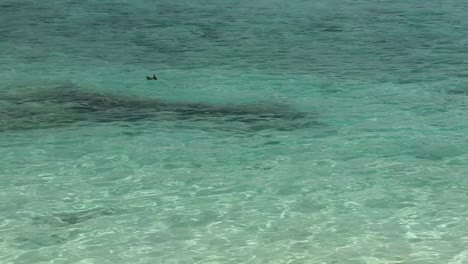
71	218
68	105
152	78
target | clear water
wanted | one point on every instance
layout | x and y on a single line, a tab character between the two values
374	172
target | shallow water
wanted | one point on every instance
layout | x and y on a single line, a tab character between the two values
278	132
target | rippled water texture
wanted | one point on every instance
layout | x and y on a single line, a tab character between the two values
278	132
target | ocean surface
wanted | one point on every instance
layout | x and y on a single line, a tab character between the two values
279	131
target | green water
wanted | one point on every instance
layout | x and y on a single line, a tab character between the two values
373	171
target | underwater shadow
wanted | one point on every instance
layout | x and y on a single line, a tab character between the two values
63	106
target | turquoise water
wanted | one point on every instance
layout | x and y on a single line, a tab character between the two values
278	131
